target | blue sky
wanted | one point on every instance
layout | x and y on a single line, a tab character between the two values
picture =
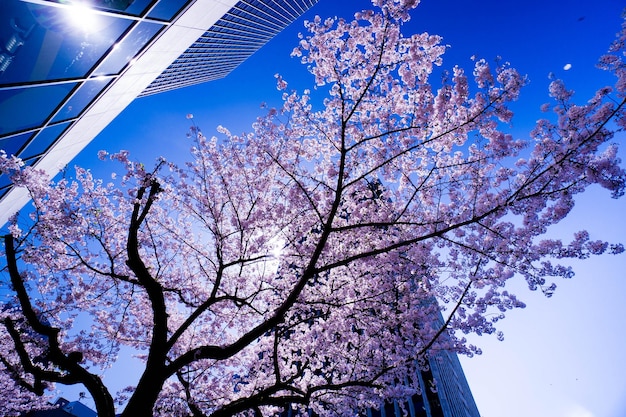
561	357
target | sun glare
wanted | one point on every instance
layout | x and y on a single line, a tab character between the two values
82	17
277	246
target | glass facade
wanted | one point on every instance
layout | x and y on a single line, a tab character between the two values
444	388
233	38
59	58
444	392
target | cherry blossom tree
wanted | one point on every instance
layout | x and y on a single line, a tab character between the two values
305	264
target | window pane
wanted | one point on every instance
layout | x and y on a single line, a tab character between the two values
43	140
40	102
131	7
4	185
167	9
14	143
134	7
40	42
81	99
126	50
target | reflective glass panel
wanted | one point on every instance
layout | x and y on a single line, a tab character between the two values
127	49
4	185
32	161
81	99
43	140
14	143
40	42
29	107
134	7
167	9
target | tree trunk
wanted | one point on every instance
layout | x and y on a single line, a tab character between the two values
145	396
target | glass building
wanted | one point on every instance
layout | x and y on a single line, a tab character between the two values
444	389
450	397
444	393
69	67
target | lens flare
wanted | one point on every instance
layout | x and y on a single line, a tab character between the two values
82	17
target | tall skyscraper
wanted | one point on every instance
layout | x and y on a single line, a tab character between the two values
452	396
444	393
444	389
68	68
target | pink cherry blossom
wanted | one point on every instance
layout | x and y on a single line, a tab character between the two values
306	263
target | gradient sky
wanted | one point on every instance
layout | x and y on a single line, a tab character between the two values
561	357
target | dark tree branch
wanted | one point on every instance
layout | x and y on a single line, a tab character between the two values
75	372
